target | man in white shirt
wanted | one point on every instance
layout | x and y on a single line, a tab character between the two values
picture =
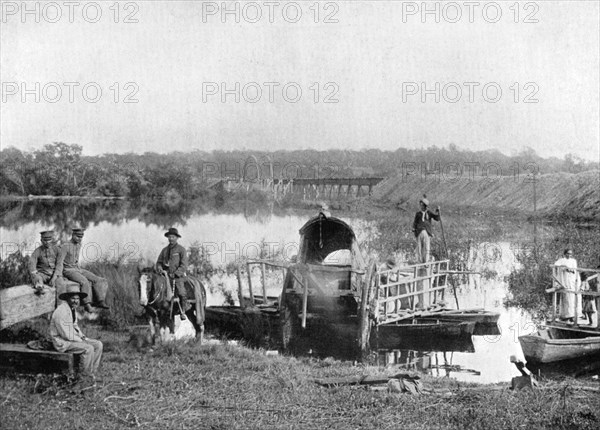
566	277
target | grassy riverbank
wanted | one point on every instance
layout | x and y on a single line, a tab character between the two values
220	386
554	196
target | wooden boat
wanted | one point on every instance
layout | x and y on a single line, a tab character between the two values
479	316
428	328
486	321
556	344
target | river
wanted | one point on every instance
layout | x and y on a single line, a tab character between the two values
136	234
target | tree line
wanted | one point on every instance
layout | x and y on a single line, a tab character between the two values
61	169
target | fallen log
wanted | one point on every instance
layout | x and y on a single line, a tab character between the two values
21	303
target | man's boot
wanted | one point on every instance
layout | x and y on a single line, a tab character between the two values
102	304
184	307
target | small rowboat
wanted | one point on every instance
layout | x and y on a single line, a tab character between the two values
554	344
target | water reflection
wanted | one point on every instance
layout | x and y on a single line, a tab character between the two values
432	363
63	213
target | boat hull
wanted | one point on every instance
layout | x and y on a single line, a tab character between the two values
424	328
479	316
552	345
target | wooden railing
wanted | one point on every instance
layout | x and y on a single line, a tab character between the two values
262	263
401	291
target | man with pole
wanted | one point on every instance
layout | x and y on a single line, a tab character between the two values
423	230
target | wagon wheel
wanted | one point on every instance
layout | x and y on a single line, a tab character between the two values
289	322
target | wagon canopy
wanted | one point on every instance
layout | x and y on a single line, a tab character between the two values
329	241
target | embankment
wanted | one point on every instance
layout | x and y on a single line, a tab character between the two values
575	196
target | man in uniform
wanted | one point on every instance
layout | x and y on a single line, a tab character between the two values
422	230
173	262
67	336
69	261
43	265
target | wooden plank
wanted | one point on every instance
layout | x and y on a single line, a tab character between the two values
249	273
19	358
580	329
263	274
362	379
240	294
21	303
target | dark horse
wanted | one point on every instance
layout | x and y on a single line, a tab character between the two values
157	299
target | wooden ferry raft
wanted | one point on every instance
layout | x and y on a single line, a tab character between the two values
330	292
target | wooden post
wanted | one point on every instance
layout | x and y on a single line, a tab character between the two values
240	295
250	283
365	326
577	296
304	304
264	282
554	304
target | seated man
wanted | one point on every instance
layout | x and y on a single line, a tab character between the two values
67	336
173	261
42	265
69	262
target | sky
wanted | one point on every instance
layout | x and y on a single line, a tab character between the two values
168	76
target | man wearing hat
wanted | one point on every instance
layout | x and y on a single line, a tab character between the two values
173	261
67	336
43	265
423	230
69	261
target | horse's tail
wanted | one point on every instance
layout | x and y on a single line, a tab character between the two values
200	296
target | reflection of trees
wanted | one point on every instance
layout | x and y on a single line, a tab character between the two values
64	214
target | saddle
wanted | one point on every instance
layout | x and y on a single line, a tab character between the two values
192	285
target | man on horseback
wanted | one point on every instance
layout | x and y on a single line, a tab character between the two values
173	262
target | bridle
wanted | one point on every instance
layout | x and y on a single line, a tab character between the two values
150	280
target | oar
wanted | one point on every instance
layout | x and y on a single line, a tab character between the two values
446	249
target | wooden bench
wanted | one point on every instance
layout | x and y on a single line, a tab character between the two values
19	358
18	304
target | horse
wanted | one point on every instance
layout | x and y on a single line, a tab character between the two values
156	296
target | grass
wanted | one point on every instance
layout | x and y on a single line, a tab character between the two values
223	386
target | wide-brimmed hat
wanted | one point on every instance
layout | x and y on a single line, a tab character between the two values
77	231
424	201
390	262
72	290
47	234
172	231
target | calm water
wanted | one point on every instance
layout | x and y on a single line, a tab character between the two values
118	228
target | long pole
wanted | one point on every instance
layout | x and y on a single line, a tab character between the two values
446	250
